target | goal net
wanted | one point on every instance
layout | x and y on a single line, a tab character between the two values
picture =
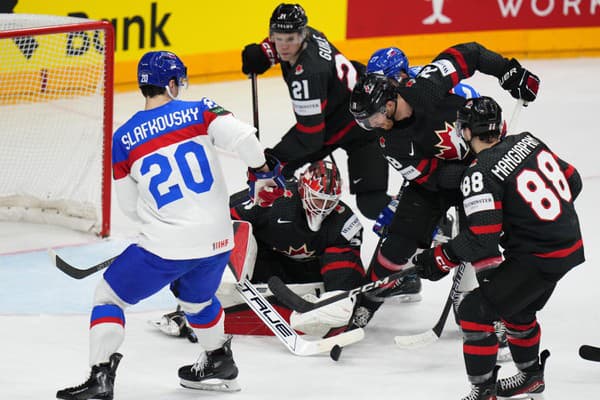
56	90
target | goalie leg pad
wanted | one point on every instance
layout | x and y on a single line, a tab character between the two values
321	321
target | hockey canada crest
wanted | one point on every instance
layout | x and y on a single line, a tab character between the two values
451	145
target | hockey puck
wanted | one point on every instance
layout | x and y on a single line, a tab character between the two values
335	353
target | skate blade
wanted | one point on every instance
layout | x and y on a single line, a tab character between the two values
406	298
214	385
528	396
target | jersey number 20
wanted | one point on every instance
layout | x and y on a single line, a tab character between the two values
185	153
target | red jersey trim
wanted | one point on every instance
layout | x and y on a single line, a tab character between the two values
483	229
341	133
563	252
209	324
310	129
332	266
480	350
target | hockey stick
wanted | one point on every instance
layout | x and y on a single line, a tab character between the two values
430	336
284	332
297	303
253	80
515	115
73	271
590	353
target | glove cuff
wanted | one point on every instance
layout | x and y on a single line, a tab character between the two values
444	258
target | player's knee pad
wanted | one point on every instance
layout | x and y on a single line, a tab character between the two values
370	204
474	308
104	294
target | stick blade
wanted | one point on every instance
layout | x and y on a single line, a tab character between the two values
590	353
416	341
288	297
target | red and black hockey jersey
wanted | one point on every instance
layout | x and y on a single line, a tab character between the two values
283	228
319	83
519	194
419	146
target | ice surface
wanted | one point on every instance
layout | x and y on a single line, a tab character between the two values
44	314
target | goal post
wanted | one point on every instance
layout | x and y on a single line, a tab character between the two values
56	111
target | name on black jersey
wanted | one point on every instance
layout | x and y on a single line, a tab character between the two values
514	157
324	47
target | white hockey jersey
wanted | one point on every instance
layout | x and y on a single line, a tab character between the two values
168	177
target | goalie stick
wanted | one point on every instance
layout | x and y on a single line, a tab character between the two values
433	334
284	332
590	353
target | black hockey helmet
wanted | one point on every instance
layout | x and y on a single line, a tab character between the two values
369	96
288	18
482	115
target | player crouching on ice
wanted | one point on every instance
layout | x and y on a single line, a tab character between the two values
307	237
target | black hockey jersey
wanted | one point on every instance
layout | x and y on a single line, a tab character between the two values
519	194
420	146
319	83
283	228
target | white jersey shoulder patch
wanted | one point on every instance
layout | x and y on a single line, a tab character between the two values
478	203
307	107
351	227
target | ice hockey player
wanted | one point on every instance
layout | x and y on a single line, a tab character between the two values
393	63
307	237
168	178
517	194
415	119
320	80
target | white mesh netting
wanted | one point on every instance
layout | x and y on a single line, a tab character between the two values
52	116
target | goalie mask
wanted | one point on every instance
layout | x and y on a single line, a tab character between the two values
157	68
320	189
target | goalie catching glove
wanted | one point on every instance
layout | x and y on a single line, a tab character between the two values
435	263
258	182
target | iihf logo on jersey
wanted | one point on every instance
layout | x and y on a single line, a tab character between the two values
299	69
381	141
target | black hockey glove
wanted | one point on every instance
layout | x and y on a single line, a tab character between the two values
521	83
435	263
258	58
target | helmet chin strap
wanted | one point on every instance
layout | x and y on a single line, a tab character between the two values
171	94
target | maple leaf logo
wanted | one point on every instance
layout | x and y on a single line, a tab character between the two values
451	146
300	253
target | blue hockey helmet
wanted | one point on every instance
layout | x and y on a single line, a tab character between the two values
389	61
157	68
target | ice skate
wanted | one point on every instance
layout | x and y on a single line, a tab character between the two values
528	381
485	390
215	370
100	384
